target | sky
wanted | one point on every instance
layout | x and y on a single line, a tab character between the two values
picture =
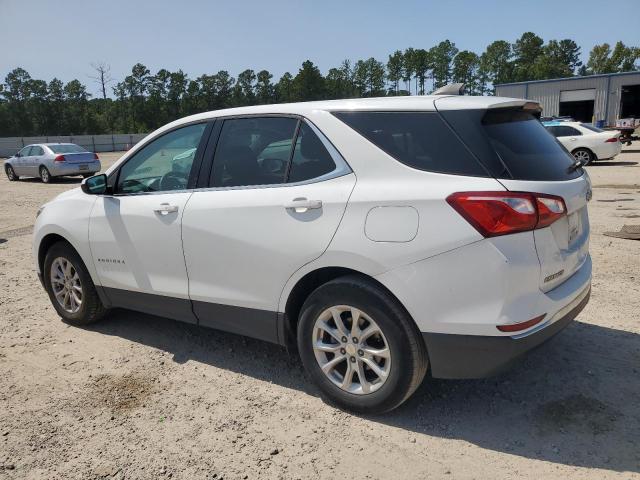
61	38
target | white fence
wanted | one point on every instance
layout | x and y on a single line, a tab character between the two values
93	143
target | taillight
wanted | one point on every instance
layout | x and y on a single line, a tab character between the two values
59	158
550	209
611	140
96	157
502	213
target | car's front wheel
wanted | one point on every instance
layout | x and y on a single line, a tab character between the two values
360	346
45	176
583	155
11	174
69	285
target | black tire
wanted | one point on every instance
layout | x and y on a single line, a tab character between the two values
91	309
11	174
408	361
45	175
583	154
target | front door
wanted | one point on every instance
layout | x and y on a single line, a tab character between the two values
275	200
135	234
20	165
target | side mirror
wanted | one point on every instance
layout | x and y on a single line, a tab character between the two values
96	185
18	155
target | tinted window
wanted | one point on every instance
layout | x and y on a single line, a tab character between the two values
565	131
67	148
512	144
162	165
253	151
418	139
36	151
310	157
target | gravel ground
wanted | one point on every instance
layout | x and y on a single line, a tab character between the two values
138	396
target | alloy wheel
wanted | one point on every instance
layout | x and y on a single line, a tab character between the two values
351	349
10	173
44	175
66	285
582	156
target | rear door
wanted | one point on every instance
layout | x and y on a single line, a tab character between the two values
524	157
276	194
36	158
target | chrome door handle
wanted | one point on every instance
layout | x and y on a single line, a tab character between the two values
165	209
301	205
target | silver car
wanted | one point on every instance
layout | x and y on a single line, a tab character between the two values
48	160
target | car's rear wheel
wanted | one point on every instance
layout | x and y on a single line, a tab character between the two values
69	285
45	176
360	346
583	155
11	174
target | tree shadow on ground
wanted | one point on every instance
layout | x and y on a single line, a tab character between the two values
574	401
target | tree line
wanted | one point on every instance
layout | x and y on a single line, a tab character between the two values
143	101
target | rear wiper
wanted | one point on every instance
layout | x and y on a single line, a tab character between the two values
574	166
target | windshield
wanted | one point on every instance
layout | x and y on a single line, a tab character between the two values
66	148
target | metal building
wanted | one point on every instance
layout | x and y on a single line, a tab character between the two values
593	98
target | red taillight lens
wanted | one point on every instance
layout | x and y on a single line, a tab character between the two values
518	327
550	209
59	158
96	157
502	213
611	140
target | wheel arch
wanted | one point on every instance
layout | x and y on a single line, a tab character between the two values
46	243
288	321
593	155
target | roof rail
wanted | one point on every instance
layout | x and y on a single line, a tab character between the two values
450	89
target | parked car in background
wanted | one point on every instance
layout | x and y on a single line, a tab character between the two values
49	160
463	243
585	142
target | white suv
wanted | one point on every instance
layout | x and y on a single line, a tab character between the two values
381	237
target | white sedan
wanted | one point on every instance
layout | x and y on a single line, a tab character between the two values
586	142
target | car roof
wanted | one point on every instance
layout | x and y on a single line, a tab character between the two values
399	103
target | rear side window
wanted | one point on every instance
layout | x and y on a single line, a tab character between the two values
564	131
310	157
253	151
513	144
420	140
37	151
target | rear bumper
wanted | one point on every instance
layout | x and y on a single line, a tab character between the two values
475	356
74	168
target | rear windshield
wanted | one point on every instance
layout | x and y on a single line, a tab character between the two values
66	148
591	127
513	144
420	140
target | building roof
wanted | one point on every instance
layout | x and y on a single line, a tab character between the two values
601	75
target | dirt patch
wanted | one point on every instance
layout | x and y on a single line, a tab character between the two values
576	414
121	393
